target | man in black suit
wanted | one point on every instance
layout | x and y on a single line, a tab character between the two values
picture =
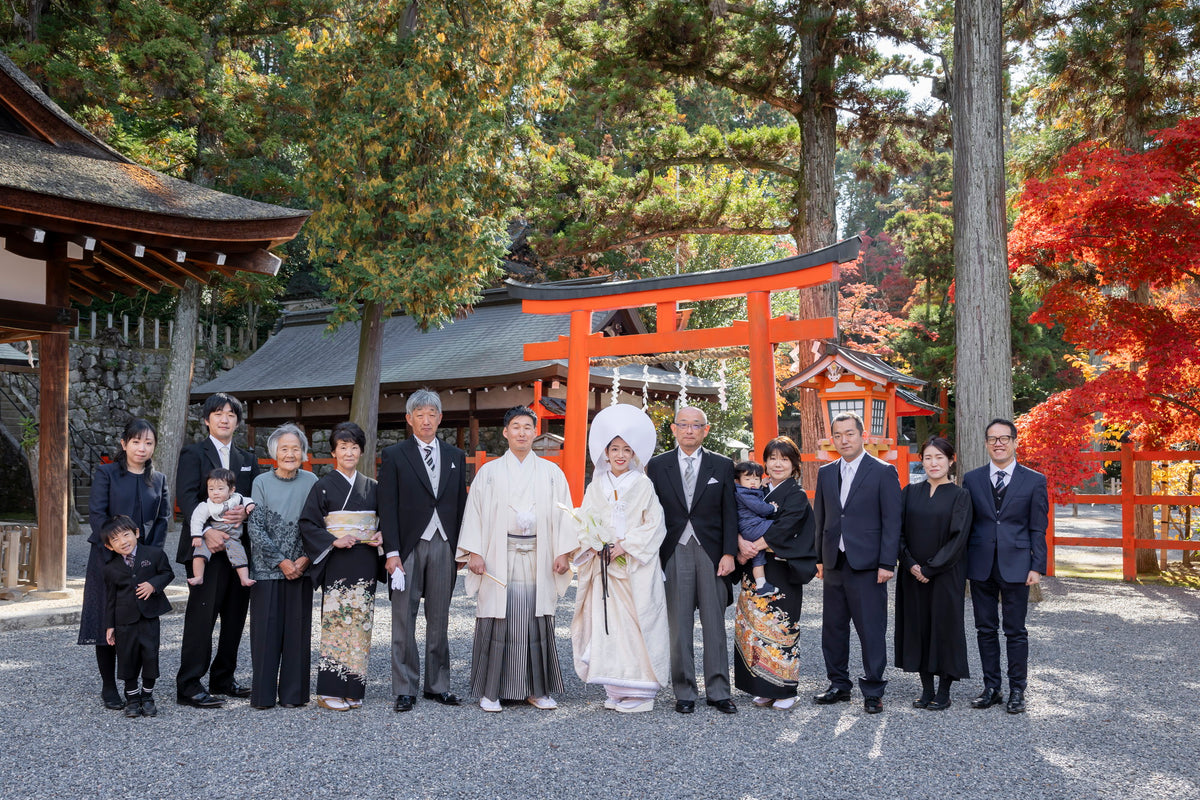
857	511
1006	554
422	492
695	487
222	594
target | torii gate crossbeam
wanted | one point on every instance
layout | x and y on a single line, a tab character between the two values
760	332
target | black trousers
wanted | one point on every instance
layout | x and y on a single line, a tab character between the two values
281	641
854	596
990	599
221	595
137	650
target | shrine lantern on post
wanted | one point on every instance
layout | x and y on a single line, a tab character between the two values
850	380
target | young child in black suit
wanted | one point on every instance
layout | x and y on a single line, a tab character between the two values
135	580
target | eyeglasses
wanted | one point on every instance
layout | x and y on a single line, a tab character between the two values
690	426
1000	439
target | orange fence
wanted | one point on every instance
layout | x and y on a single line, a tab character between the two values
1129	500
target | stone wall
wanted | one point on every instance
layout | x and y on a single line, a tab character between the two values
110	383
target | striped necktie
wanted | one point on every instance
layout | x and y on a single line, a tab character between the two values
428	448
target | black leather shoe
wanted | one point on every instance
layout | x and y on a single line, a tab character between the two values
832	695
112	698
1016	701
292	705
405	702
445	698
987	699
872	705
133	705
937	704
235	689
149	709
685	706
200	700
924	700
725	706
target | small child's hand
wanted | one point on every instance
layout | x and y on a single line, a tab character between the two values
110	637
775	504
144	590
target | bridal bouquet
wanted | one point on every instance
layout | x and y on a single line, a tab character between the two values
593	533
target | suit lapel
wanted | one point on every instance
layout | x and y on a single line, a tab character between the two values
860	475
675	478
703	473
413	452
447	465
1017	477
214	458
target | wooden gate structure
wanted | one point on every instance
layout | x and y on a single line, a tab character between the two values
759	332
78	221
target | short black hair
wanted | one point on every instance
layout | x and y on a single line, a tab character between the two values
348	432
215	402
943	446
519	411
1001	421
747	468
116	525
222	474
849	415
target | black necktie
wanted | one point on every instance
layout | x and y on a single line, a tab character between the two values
998	489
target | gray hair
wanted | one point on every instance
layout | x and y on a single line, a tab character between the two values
284	430
423	398
700	411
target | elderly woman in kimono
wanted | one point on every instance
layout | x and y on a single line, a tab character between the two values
340	529
619	632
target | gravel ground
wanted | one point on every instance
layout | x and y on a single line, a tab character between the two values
1111	714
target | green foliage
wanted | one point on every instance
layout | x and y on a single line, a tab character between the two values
412	140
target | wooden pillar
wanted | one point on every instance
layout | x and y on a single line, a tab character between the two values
537	406
54	467
765	416
473	423
1128	513
578	380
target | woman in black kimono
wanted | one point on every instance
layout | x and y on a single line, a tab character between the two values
767	627
936	517
340	529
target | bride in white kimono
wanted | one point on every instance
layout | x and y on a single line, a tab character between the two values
619	633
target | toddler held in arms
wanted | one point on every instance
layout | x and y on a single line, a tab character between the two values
221	498
754	517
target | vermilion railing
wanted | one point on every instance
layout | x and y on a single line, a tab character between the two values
1128	500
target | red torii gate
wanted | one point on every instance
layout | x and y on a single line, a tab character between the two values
759	331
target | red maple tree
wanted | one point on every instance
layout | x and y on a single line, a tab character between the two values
1113	237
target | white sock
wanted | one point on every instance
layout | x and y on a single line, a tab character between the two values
760	582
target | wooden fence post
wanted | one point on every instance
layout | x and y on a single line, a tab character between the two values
1050	544
1128	513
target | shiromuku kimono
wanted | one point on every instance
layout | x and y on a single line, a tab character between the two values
347	576
515	521
619	633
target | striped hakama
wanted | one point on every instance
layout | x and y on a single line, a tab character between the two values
516	657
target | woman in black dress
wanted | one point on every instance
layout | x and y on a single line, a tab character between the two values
930	639
767	627
129	486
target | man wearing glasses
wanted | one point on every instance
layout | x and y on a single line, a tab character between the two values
695	487
1006	554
